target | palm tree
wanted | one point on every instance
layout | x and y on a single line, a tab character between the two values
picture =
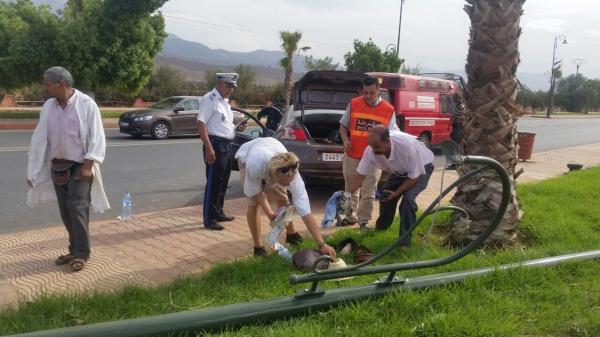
490	116
289	44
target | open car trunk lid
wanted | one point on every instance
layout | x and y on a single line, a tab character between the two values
321	97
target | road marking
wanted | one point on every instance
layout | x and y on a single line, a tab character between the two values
110	144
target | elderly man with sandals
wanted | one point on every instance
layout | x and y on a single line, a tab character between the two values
67	146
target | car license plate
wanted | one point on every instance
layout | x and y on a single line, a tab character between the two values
123	124
332	156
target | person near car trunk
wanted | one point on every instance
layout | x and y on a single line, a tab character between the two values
216	129
267	172
409	164
362	113
67	147
274	113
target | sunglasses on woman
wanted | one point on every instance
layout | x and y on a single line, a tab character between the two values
289	168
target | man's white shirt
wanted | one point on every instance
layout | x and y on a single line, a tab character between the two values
215	113
408	157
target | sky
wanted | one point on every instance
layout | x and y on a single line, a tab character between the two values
434	33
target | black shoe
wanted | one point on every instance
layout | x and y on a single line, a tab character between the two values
225	218
260	251
215	226
293	239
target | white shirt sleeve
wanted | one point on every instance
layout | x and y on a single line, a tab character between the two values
299	196
366	166
392	126
96	143
345	120
206	108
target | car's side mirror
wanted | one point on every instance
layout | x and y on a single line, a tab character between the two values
177	109
255	133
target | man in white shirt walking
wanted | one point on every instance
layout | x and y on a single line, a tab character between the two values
410	165
67	147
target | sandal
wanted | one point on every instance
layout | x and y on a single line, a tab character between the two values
64	259
77	263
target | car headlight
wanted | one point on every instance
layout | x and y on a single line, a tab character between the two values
142	118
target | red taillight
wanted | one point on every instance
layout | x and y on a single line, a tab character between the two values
292	133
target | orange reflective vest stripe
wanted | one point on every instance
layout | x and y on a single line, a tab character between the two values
362	118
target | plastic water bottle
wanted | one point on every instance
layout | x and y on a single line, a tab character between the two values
273	235
126	215
282	251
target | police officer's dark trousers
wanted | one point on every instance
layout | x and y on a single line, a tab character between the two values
217	178
408	205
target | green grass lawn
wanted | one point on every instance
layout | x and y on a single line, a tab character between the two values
561	216
35	114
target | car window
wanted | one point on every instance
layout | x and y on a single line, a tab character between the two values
167	103
190	104
446	104
335	97
385	95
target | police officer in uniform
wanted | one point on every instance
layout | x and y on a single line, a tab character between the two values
216	129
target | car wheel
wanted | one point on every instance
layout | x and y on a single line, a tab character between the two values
137	135
161	130
424	137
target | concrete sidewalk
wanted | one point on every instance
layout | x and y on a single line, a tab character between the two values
157	247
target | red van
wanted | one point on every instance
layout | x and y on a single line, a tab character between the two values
423	104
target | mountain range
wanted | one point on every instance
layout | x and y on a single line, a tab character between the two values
192	58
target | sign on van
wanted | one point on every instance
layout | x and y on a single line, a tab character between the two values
426	102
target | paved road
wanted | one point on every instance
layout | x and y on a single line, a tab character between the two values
168	174
159	175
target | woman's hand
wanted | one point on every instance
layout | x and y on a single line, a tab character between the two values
327	250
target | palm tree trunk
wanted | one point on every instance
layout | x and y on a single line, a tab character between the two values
490	116
287	84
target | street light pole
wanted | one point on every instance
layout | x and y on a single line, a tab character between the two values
399	29
553	73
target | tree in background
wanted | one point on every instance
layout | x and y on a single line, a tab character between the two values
490	127
326	63
164	82
289	44
27	42
576	93
246	90
108	43
591	89
536	100
368	57
406	69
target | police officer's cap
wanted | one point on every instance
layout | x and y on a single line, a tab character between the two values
230	78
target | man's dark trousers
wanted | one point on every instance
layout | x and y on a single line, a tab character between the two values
217	178
74	205
408	205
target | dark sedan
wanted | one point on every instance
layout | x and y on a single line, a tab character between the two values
171	116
